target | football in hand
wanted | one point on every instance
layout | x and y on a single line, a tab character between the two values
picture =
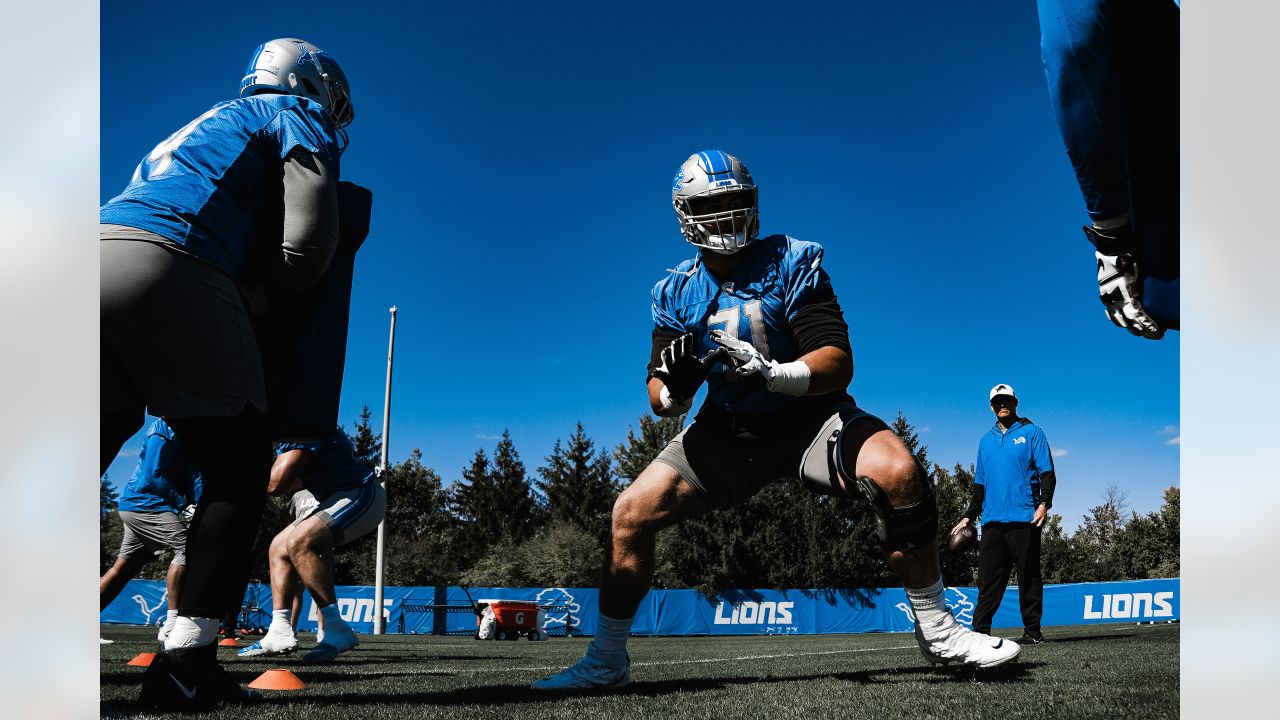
962	539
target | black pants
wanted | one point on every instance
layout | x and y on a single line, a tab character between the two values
1004	547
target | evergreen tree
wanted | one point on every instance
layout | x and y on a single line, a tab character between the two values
366	443
578	485
520	515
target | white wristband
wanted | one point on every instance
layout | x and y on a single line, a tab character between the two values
789	378
669	405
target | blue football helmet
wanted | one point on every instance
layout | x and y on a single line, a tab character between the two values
716	201
296	67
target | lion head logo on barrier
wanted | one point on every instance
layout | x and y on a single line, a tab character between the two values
957	601
563	608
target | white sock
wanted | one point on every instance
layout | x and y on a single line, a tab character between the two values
932	614
280	621
192	632
171	617
611	636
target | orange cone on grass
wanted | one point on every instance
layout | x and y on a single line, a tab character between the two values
228	642
277	680
142	660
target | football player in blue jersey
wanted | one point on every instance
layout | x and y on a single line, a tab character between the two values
777	407
153	507
241	200
349	502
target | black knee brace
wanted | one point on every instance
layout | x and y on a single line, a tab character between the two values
900	528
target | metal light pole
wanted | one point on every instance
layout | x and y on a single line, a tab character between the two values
382	526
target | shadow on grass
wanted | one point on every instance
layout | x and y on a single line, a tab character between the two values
1057	640
499	695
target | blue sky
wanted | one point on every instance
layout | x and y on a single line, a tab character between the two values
521	161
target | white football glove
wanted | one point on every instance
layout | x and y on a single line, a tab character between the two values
187	513
789	378
1119	287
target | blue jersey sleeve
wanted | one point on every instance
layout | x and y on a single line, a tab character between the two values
805	278
662	316
303	124
309	446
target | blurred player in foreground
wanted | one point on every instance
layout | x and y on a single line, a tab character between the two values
778	409
1112	70
244	196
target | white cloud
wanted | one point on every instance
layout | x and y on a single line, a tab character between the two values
488	437
1060	452
1169	430
1174	440
926	429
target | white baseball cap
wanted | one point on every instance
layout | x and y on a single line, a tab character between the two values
1002	389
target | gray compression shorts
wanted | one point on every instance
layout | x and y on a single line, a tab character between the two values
176	339
151	534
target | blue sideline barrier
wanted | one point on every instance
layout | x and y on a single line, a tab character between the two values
686	612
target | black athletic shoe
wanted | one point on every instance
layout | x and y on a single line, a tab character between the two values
191	679
1031	639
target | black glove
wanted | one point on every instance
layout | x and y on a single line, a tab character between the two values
681	369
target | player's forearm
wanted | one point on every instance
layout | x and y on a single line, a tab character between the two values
830	370
661	403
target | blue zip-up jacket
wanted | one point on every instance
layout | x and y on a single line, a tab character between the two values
1010	465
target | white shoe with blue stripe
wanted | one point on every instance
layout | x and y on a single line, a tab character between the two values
589	673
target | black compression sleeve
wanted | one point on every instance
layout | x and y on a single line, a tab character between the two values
821	323
662	337
975	502
1048	482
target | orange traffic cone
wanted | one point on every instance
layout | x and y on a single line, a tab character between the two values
228	642
277	680
142	660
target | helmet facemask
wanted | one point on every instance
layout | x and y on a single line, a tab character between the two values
723	221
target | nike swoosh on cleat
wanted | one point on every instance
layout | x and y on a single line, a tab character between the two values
998	645
189	693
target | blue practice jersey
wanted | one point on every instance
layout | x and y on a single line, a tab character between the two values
165	481
215	186
778	276
333	466
1009	465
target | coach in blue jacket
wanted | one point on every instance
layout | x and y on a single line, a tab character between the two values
1012	491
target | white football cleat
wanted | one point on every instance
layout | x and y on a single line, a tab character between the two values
104	641
589	673
271	644
967	647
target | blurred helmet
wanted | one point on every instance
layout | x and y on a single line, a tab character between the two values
716	202
296	67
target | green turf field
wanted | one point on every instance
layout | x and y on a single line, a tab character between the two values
1096	671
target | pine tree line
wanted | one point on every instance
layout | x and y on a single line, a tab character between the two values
502	525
